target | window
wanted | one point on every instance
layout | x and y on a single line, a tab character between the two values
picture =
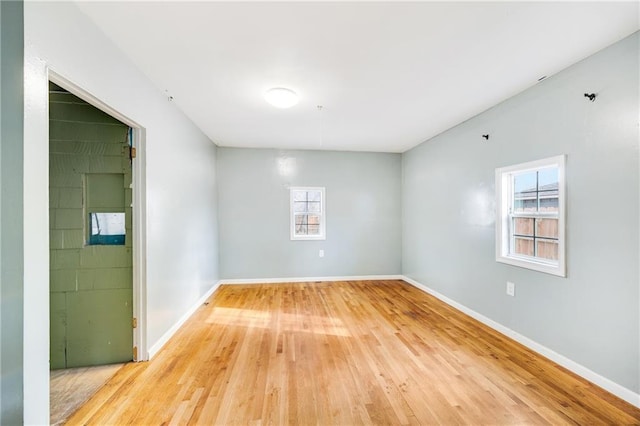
307	214
107	228
531	211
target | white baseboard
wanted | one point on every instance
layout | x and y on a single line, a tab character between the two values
311	279
582	371
155	348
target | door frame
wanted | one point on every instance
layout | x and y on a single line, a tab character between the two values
140	350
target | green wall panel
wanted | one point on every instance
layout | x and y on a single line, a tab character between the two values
55	238
63	163
104	278
72	238
79	112
64	259
58	329
106	164
68	219
128	197
70	131
65	179
105	256
105	190
91	285
127	219
99	327
69	197
84	148
66	238
63	280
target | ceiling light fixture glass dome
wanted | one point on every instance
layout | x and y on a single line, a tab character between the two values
280	97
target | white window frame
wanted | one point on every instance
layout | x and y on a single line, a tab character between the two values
292	215
504	194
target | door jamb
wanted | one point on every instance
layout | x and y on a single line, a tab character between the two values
139	211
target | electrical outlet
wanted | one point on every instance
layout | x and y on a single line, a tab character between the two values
321	253
511	288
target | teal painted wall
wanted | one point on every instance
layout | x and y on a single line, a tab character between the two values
362	213
593	316
11	213
179	193
90	285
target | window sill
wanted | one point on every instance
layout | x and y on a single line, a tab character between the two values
557	270
309	238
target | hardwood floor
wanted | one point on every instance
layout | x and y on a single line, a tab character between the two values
343	353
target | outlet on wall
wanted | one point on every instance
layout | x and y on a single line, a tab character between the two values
321	253
511	288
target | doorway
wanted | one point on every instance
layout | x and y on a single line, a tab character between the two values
96	238
90	193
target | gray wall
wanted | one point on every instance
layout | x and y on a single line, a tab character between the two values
176	162
362	222
448	219
11	246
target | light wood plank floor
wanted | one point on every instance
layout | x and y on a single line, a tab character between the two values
343	353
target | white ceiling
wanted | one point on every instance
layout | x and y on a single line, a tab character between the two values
388	75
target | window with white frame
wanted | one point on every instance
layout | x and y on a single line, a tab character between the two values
530	225
307	213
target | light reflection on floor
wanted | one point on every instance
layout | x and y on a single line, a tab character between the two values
282	321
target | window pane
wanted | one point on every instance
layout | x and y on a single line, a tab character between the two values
547	228
524	192
299	195
524	182
313	220
523	246
536	191
301	227
548	189
547	249
549	203
548	178
314	195
525	203
300	206
107	228
523	226
313	206
307	224
304	207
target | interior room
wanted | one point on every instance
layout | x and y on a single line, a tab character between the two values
322	212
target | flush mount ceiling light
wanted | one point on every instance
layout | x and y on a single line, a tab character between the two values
280	97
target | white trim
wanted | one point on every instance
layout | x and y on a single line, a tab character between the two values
310	279
504	184
139	210
155	348
582	371
66	84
